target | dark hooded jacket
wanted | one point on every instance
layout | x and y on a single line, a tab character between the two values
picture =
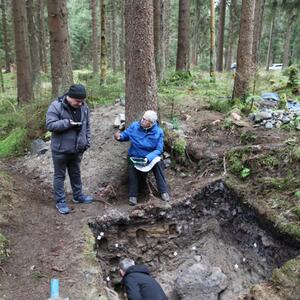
65	137
141	286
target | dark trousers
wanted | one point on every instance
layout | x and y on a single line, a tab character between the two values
137	177
61	163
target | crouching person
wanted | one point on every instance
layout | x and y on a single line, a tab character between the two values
147	143
138	283
69	121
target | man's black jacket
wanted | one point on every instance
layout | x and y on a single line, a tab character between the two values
141	286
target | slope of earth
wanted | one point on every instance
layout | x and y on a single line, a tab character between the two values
44	244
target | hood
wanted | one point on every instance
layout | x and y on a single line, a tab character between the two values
137	269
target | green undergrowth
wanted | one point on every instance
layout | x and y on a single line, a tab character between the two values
4	248
104	93
271	182
288	275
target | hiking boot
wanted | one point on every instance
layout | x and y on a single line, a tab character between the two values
62	207
132	201
165	197
83	199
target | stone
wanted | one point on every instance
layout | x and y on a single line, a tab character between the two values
200	282
263	115
285	120
38	147
120	119
269	125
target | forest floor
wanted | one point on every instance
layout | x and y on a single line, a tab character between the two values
44	244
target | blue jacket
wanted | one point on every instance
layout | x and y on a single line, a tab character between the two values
147	143
65	138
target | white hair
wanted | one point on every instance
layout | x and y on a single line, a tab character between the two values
151	115
126	263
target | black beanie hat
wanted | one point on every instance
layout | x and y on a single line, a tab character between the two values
77	91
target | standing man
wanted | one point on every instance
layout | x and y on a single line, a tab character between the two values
147	143
138	283
68	118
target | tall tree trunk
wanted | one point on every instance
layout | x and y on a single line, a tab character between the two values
121	37
141	89
244	52
219	63
231	32
156	32
41	35
212	41
1	80
166	40
183	44
5	37
288	35
94	38
61	67
258	21
33	41
269	55
24	83
113	37
158	37
103	55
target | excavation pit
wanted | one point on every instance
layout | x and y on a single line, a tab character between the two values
208	247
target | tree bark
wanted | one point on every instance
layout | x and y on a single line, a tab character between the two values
166	40
113	37
33	41
5	37
258	21
121	37
219	62
269	55
212	41
231	34
288	35
94	37
61	67
183	42
158	37
24	82
103	55
141	89
1	80
244	52
41	36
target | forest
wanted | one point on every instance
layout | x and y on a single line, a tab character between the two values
223	77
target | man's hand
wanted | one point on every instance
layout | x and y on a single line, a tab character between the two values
117	135
72	123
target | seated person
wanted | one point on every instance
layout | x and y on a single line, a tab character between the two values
147	142
138	283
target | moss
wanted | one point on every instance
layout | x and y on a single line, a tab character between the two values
179	146
13	143
289	274
270	161
279	183
236	160
248	138
4	248
292	229
296	154
296	212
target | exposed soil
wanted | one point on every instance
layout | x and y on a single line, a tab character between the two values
45	244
